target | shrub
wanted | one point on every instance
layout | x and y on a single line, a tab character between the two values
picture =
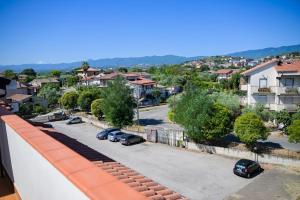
38	109
85	100
171	115
250	128
69	100
294	131
96	108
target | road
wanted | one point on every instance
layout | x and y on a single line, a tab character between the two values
195	175
157	116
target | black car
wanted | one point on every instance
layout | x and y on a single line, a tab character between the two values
246	168
104	133
128	139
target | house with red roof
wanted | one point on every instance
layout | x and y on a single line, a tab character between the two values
225	73
275	84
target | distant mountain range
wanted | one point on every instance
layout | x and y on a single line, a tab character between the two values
149	60
106	63
260	53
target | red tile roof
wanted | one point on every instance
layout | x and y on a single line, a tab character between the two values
89	70
110	76
224	71
293	66
143	82
19	97
247	72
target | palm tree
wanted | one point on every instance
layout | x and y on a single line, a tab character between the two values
85	66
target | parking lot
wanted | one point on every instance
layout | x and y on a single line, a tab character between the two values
194	175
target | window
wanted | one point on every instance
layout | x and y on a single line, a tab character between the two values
289	82
263	82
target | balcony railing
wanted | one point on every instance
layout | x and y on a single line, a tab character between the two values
263	90
288	91
278	90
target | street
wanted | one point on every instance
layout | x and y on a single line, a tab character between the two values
194	175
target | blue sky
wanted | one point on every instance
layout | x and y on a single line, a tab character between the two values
41	31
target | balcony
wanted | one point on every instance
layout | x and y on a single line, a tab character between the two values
288	107
256	90
288	91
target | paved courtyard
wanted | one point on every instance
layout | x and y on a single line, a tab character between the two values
194	175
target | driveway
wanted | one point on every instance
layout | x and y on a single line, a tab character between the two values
157	116
194	175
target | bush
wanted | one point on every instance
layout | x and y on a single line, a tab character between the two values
261	111
294	131
296	116
96	108
69	100
285	118
38	109
171	115
249	128
85	100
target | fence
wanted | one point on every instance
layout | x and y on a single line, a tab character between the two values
177	138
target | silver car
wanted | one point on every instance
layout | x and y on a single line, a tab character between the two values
74	120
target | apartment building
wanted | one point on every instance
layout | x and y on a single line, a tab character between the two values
275	84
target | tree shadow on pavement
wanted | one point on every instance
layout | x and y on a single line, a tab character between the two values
145	122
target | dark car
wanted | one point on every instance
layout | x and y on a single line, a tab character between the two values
104	133
115	136
74	120
128	139
246	168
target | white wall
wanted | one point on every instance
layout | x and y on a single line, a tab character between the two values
35	178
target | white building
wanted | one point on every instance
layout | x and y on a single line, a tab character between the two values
274	84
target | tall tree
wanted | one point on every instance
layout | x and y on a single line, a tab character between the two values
118	103
85	67
50	93
29	72
56	73
10	74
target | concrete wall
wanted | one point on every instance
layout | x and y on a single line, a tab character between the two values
34	177
264	158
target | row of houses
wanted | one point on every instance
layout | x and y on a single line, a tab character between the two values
140	82
14	92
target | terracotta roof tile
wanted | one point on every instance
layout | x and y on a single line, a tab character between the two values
289	67
259	66
143	82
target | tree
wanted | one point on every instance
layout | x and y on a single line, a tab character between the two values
201	117
72	80
283	117
296	116
50	92
118	103
294	131
85	67
85	100
56	73
69	100
10	74
230	101
96	108
234	81
250	128
123	70
29	72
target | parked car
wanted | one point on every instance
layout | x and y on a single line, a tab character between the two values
246	168
115	136
58	116
74	120
104	133
128	139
